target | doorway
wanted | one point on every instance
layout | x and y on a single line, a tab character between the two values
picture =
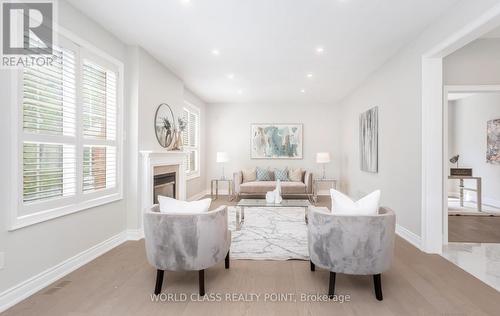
472	164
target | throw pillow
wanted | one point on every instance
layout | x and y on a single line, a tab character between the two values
344	205
296	175
263	174
173	206
281	174
249	175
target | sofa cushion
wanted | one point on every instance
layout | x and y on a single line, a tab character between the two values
296	175
249	175
264	174
262	187
281	174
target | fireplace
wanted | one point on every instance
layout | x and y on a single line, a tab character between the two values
164	184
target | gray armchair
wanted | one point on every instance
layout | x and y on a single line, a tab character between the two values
358	245
186	242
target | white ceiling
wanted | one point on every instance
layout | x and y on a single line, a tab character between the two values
269	45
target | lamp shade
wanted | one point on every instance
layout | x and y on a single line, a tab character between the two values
323	157
222	157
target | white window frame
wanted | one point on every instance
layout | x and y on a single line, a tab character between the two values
20	215
194	109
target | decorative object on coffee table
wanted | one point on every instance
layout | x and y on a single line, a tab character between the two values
164	124
276	141
275	196
222	158
323	159
368	140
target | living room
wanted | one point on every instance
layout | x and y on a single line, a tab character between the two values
210	104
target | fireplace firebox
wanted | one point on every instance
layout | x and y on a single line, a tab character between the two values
164	184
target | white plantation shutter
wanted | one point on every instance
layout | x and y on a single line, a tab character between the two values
185	134
99	125
99	102
48	171
49	113
99	167
69	133
190	139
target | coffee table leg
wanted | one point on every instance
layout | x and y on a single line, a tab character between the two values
305	214
242	214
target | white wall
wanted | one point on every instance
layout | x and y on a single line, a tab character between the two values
228	127
468	139
33	249
150	84
396	89
475	64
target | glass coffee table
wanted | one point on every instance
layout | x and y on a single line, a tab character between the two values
249	203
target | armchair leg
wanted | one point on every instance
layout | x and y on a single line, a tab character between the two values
226	261
331	288
201	278
378	286
313	267
159	281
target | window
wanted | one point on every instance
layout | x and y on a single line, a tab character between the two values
191	134
69	127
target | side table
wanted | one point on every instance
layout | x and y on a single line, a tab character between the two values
316	183
215	182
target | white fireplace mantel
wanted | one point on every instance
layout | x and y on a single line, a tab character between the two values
152	159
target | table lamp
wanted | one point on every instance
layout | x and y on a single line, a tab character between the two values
323	158
222	158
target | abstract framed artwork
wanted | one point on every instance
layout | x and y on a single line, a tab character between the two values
368	140
493	142
276	141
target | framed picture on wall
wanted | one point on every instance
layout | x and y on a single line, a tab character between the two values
493	142
368	140
276	141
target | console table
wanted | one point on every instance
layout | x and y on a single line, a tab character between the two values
463	188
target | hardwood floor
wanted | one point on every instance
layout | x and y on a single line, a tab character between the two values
121	283
470	228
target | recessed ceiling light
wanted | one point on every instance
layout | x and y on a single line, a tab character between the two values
240	91
230	76
320	50
309	75
215	52
303	91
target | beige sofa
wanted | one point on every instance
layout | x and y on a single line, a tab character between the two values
262	187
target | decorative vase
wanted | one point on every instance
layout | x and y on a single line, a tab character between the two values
177	141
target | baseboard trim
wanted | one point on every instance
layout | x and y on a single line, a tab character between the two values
409	236
23	290
199	195
134	234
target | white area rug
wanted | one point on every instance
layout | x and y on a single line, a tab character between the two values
269	234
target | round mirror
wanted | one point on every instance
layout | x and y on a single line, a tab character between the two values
164	125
